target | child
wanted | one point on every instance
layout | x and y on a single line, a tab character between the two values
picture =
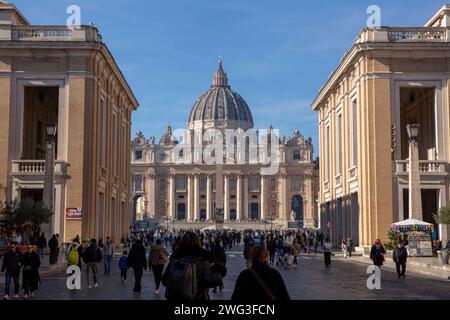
123	267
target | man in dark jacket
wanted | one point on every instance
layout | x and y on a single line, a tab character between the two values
91	256
190	261
137	261
260	282
12	262
400	256
220	258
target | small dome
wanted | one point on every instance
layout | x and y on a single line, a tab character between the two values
167	138
220	106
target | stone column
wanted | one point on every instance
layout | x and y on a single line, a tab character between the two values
282	195
208	198
172	213
226	202
196	197
150	192
245	204
415	196
239	197
263	205
190	195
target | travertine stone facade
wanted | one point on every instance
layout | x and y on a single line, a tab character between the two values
186	193
389	78
51	74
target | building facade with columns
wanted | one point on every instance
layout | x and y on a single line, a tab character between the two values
185	193
68	78
391	77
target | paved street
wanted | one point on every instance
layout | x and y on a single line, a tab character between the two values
344	280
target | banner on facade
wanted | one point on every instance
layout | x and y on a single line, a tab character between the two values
73	213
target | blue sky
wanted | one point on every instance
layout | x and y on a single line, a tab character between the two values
277	53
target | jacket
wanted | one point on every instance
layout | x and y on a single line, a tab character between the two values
400	255
248	288
123	262
202	258
12	262
31	261
108	249
158	255
92	254
219	254
377	255
136	257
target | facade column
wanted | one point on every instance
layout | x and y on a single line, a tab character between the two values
245	204
226	193
239	197
282	197
190	194
172	213
263	198
196	197
208	198
150	195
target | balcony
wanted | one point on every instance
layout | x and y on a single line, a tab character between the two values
404	34
426	167
52	33
36	167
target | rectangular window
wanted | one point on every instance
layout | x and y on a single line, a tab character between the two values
254	184
162	185
102	131
296	184
138	183
181	184
138	155
339	145
354	133
114	145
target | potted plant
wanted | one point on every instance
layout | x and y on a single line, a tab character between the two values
443	217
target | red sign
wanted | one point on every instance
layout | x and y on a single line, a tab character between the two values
73	213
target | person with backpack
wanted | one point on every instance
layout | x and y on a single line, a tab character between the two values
12	263
260	282
137	261
108	254
220	258
72	254
30	273
156	260
123	267
327	248
190	272
92	255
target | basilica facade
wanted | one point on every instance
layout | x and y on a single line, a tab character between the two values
175	182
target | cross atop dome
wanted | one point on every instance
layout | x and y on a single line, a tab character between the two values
220	77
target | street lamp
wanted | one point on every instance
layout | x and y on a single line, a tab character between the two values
415	197
413	132
49	173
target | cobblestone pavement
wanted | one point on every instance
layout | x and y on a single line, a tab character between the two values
311	280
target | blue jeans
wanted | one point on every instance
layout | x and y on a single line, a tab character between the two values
107	263
15	277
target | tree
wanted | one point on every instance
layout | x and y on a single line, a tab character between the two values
443	216
24	216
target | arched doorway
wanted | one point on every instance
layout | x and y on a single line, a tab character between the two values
202	214
232	214
138	207
297	207
181	211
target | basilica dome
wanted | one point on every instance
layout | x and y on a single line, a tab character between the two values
220	106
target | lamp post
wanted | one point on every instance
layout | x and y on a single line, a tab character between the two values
415	197
49	173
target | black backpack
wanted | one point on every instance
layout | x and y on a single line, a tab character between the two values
181	280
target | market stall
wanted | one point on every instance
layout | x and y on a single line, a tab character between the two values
417	235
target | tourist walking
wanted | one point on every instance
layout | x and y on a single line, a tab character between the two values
295	251
220	258
41	246
137	261
260	282
92	255
327	248
272	248
30	272
400	256
123	267
190	261
248	253
157	259
12	263
108	254
53	245
344	247
377	253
